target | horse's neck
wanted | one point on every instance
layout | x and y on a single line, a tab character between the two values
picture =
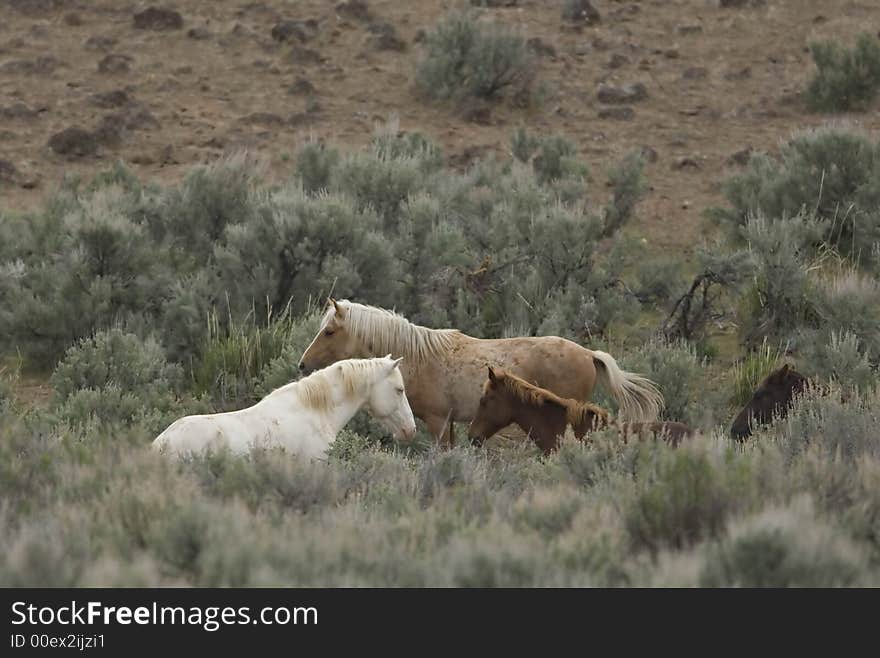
331	420
345	406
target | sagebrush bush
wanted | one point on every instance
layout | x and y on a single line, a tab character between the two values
829	173
845	79
468	58
116	377
838	421
687	495
781	298
680	374
787	547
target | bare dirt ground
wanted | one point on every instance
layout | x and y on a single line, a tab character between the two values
719	80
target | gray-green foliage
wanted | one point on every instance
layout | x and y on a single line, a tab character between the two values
114	376
845	79
830	173
465	57
112	513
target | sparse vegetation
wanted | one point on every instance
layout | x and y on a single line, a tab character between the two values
467	58
143	320
846	79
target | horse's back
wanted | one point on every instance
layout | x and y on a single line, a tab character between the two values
671	431
193	434
557	364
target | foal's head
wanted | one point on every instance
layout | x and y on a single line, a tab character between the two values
497	407
773	396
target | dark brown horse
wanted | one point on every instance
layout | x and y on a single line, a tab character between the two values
545	416
772	398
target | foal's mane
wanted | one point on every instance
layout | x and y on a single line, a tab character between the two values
316	390
577	413
391	333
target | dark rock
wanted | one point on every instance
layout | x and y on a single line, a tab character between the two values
740	74
581	12
110	99
262	119
383	36
183	70
741	157
695	73
541	47
301	56
301	31
494	3
8	172
74	142
158	19
420	36
18	111
468	156
301	87
73	19
689	29
114	63
728	4
686	162
35	7
648	153
100	43
671	53
43	65
619	113
355	10
617	60
110	130
198	33
631	93
476	111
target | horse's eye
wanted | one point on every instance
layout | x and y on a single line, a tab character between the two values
328	332
400	391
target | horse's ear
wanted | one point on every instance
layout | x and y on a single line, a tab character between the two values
784	369
340	312
492	376
396	363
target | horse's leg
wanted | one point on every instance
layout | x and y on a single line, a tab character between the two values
441	429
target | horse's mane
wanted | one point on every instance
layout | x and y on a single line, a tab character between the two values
315	391
577	413
391	333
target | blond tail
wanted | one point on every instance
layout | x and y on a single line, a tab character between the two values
638	397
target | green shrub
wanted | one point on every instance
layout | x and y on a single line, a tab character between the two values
314	162
837	422
752	369
787	547
845	79
830	173
680	374
235	356
465	57
115	377
685	495
782	296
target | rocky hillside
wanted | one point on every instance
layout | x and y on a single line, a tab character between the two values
694	84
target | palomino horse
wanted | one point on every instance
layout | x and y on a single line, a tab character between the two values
545	416
303	417
773	397
444	368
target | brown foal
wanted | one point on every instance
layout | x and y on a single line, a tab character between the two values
544	416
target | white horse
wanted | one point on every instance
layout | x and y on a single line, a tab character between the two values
303	417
